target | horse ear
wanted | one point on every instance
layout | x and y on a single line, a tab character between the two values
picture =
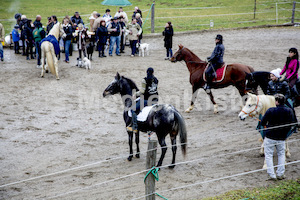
117	76
180	46
250	95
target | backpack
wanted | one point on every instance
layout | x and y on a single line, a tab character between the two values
37	34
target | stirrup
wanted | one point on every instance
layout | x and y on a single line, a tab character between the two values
130	129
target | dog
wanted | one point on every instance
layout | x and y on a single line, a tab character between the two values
90	50
79	62
143	48
86	63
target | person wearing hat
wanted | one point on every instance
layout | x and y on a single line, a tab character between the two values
275	137
76	19
148	95
114	29
216	61
2	35
16	38
101	38
275	86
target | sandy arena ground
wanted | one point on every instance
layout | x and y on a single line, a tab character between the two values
66	134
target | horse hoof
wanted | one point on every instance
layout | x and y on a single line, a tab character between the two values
187	111
262	154
216	112
129	158
288	155
137	155
57	78
172	166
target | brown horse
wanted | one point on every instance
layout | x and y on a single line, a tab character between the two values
234	75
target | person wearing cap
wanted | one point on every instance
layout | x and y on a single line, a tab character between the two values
101	38
114	29
2	35
216	61
76	19
122	13
276	86
18	18
134	31
16	38
291	69
275	137
148	95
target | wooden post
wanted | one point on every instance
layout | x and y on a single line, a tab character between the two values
293	12
150	162
152	17
254	8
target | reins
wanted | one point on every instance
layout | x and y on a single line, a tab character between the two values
249	114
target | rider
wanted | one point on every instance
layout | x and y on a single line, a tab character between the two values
148	94
216	61
276	86
291	68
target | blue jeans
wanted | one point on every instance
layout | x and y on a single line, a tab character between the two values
133	46
67	49
169	52
1	50
113	40
38	52
269	145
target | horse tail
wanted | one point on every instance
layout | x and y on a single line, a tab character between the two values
46	46
251	69
182	130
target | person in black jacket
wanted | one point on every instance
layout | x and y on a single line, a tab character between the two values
216	61
101	37
67	40
276	86
22	24
76	19
168	33
276	119
28	28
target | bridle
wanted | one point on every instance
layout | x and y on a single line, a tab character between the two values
249	114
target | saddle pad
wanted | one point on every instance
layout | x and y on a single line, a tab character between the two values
220	74
142	116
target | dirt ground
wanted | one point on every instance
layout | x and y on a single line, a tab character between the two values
68	132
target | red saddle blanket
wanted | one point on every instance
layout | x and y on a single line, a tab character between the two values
220	74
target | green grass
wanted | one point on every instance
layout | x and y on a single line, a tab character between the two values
182	18
287	190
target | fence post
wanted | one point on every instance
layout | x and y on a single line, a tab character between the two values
254	8
293	12
150	162
152	17
276	14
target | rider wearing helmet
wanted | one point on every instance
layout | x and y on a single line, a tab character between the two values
148	94
216	61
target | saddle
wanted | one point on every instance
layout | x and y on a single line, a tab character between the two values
142	116
219	74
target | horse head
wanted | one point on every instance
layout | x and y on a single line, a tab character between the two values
250	83
178	56
122	85
57	31
252	107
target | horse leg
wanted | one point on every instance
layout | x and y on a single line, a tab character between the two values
261	152
163	146
130	136
194	96
174	149
213	101
55	66
287	150
43	63
137	141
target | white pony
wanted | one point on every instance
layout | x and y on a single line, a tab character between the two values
48	52
256	105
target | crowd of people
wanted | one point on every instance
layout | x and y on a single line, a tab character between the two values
103	31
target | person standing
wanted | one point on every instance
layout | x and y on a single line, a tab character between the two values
67	40
101	36
168	33
38	34
134	31
76	20
22	25
114	29
122	13
28	28
37	20
16	38
139	20
123	29
136	10
291	67
107	17
216	61
2	35
276	136
81	37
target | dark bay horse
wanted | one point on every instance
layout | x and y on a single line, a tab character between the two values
257	78
163	119
234	75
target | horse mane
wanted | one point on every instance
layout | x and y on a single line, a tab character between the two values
197	58
131	83
53	30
